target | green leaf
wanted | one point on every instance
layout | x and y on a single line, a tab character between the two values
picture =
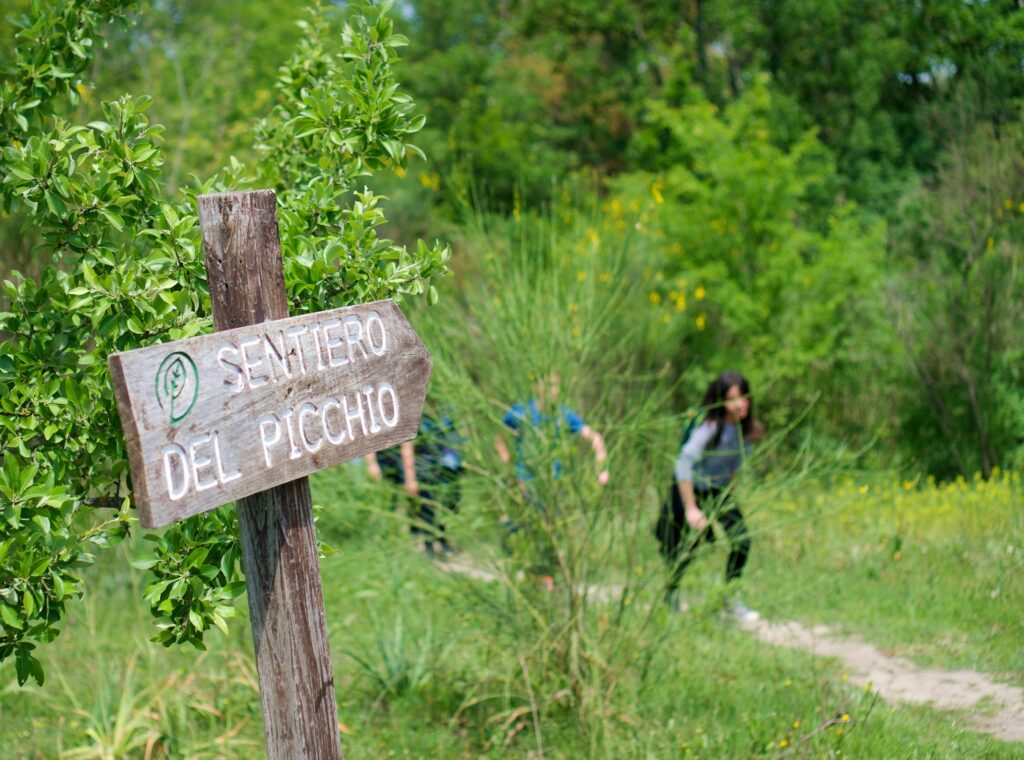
218	621
113	218
10	616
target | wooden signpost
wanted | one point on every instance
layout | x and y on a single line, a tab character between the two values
245	414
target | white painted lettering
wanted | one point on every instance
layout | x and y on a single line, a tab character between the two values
305	410
373	319
278	356
176	468
235	379
268	421
333	342
295	453
349	416
368	392
255	381
389	390
315	330
350	322
200	462
332	403
218	457
294	333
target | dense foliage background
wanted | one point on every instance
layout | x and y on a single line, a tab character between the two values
840	182
827	195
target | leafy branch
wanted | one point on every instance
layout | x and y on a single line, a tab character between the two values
127	271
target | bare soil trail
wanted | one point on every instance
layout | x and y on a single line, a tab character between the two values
993	708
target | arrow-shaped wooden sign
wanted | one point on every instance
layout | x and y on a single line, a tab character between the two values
214	418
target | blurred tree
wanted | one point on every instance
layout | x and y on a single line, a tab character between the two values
519	94
882	79
755	273
211	68
958	303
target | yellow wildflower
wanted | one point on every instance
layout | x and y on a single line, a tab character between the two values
701	322
576	331
699	293
605	276
788	682
654	297
796	724
845	717
656	189
581	275
399	172
783	743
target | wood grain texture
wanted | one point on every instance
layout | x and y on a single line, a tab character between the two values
281	416
300	714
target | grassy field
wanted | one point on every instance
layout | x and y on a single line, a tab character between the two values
434	664
437	664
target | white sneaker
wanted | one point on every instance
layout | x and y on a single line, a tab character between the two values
743	613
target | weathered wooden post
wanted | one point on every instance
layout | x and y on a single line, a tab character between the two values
247	413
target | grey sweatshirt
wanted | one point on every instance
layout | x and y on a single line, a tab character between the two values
711	468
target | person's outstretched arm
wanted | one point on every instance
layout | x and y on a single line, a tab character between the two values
502	448
688	457
600	453
373	467
412	486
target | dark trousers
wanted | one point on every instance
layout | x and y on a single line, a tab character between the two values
679	542
424	508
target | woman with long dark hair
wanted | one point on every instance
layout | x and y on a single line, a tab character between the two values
705	471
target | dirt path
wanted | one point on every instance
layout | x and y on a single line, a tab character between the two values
995	708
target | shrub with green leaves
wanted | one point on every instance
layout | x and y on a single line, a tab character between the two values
127	271
764	266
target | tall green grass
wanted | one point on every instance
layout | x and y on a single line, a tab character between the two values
432	663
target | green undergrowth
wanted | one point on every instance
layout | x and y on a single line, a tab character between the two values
430	663
925	571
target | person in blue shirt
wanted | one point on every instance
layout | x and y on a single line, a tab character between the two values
428	468
541	427
538	425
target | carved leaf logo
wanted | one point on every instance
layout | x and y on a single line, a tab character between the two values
177	386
